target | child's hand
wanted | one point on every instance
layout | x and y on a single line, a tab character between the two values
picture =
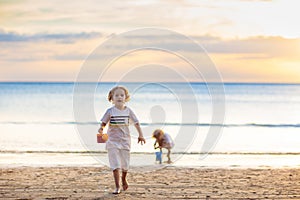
142	140
100	130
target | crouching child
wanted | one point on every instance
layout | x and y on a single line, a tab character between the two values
163	140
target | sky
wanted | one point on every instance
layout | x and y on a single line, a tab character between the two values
246	40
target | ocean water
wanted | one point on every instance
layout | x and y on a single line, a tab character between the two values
57	119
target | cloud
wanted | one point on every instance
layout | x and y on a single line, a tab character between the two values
51	55
226	19
61	37
20	48
249	48
259	47
264	46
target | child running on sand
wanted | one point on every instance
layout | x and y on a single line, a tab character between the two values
163	140
118	143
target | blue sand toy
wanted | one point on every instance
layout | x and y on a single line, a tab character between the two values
159	156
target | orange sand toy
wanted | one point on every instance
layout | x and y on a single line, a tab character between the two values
102	138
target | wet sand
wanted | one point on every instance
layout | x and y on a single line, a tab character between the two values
167	183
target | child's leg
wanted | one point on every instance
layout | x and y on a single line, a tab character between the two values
124	181
117	181
160	157
114	161
168	155
125	159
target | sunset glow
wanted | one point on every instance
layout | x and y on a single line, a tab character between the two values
248	41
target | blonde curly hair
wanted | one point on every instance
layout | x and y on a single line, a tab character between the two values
111	93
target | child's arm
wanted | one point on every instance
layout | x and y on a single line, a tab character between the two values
155	147
139	130
102	127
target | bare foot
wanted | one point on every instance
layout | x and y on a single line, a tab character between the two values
117	191
124	184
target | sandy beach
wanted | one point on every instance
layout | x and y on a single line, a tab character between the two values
167	183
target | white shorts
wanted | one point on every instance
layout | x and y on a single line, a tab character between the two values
118	158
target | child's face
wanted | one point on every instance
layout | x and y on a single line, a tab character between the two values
119	97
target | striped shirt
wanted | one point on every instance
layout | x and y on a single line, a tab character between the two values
119	120
118	129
